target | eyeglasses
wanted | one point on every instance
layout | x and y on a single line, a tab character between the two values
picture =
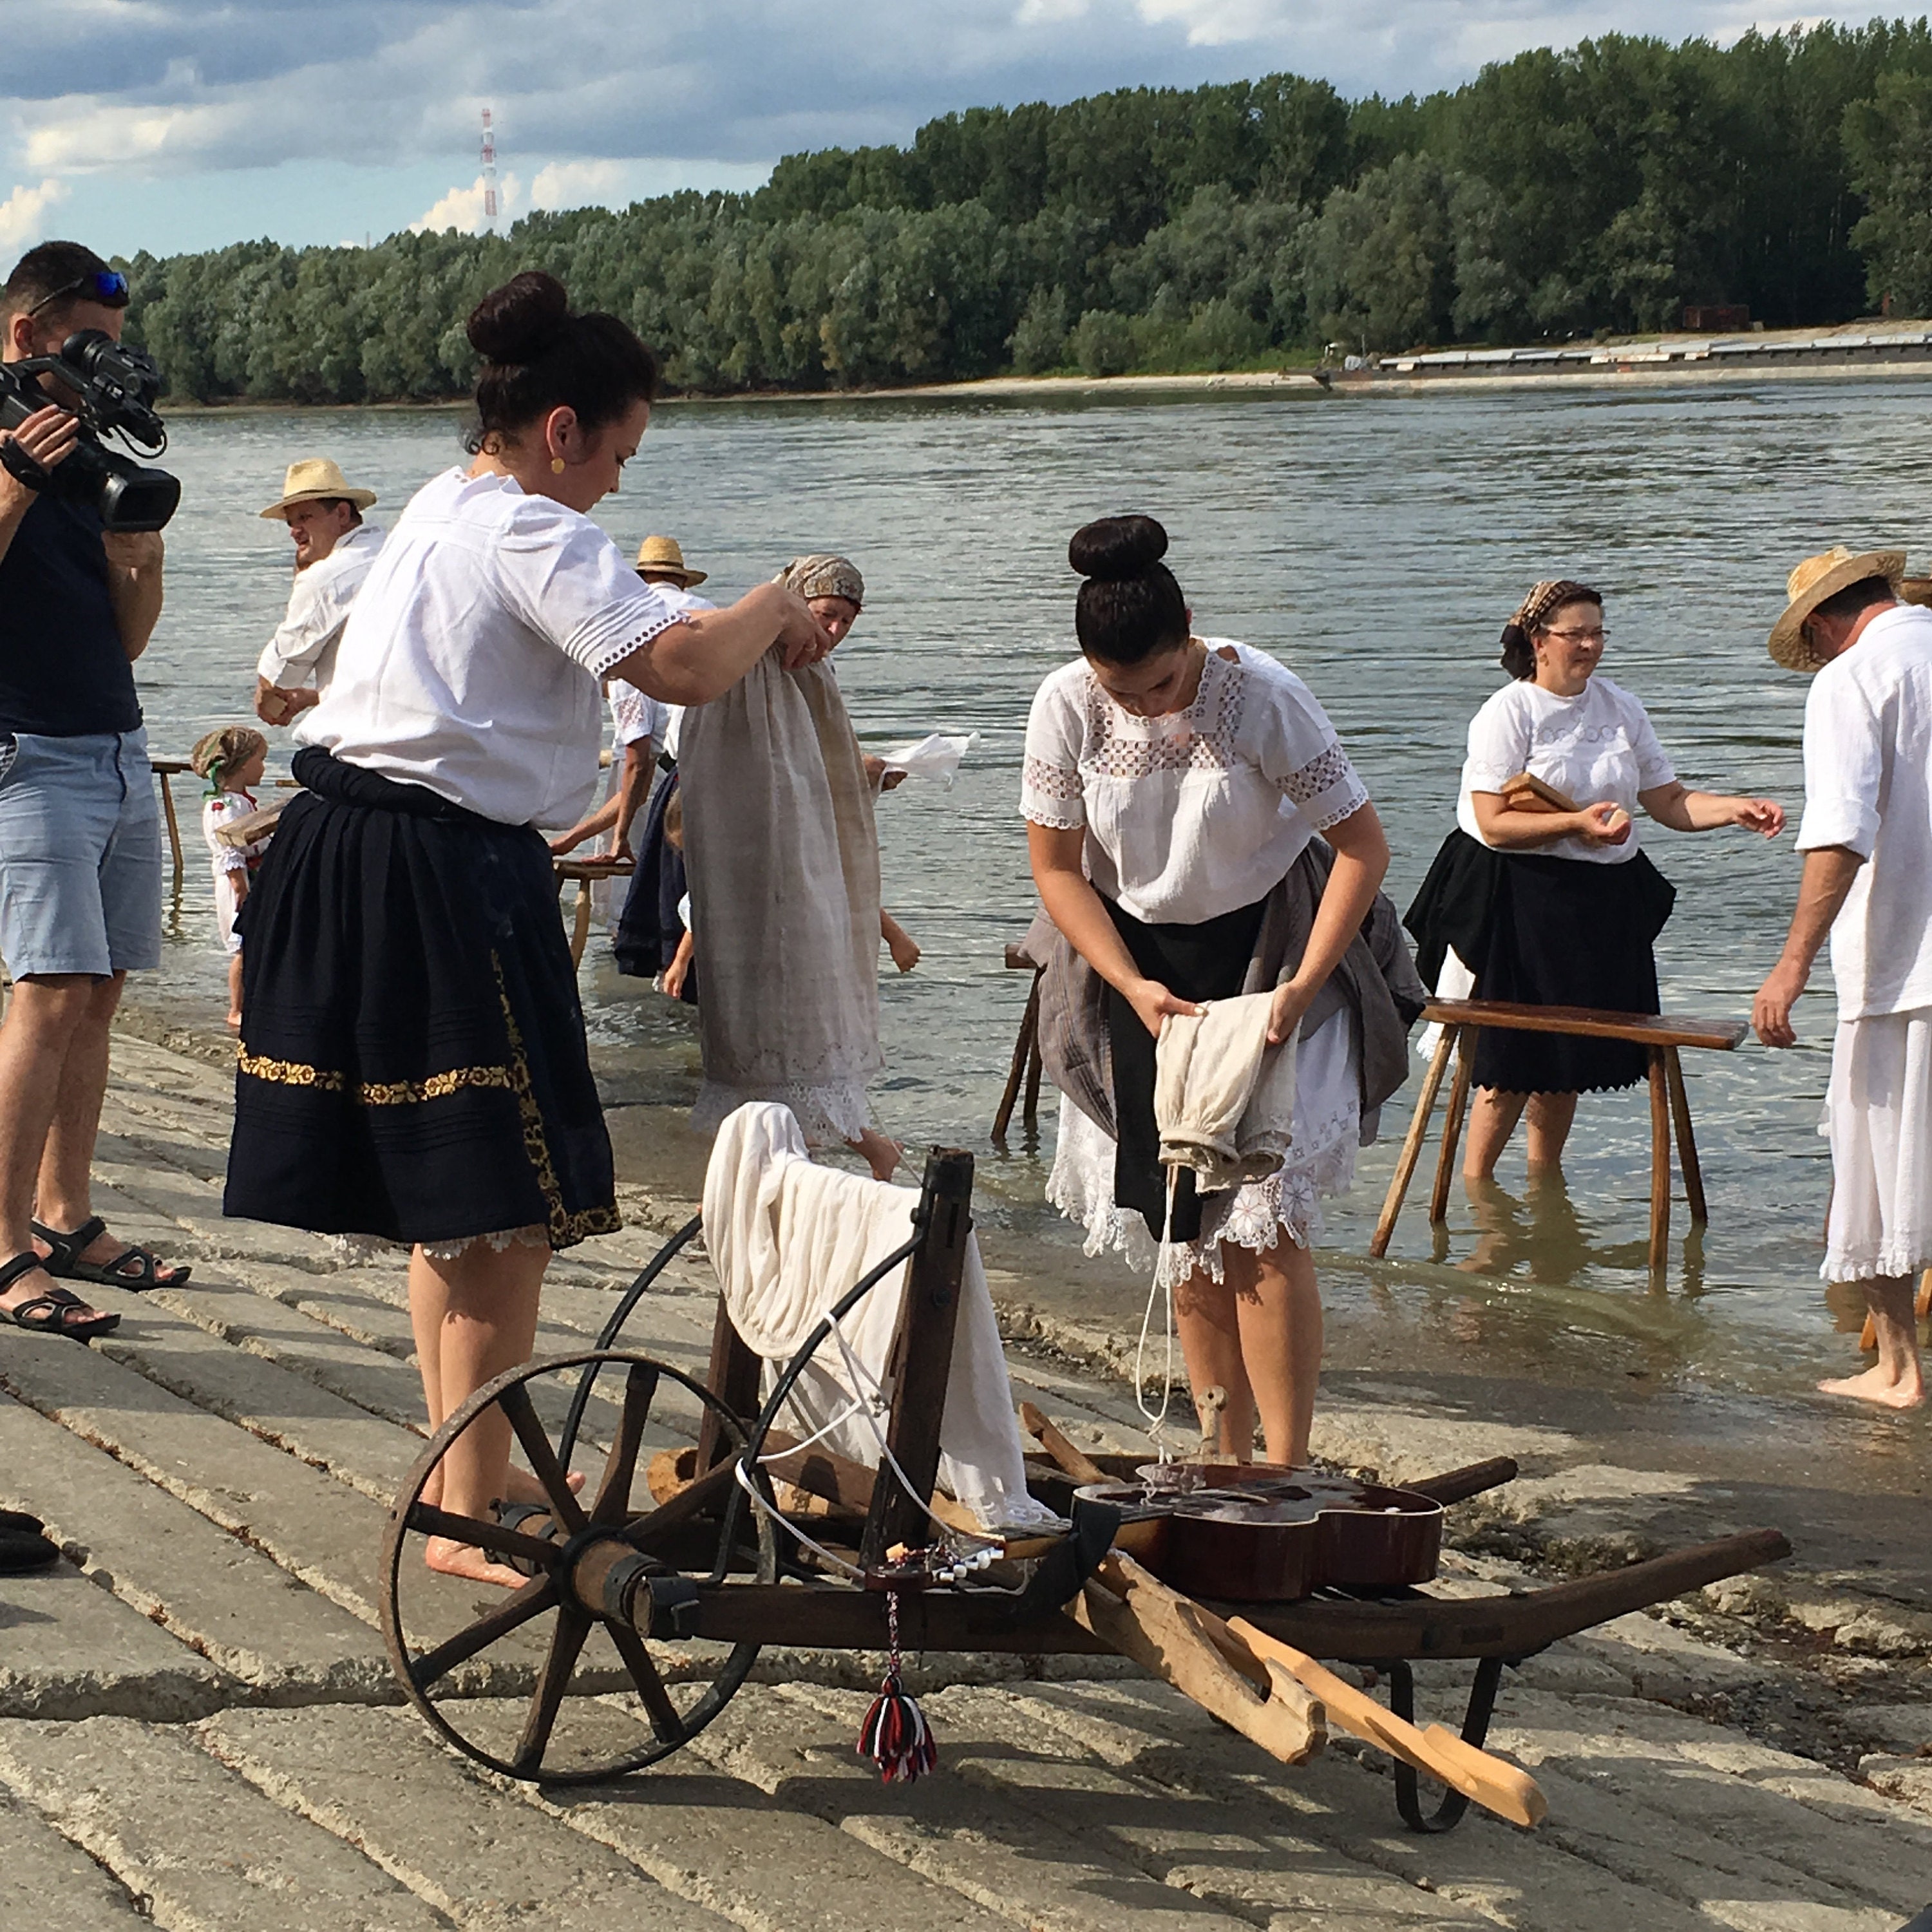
1596	634
108	285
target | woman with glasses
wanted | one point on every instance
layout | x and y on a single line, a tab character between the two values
1541	895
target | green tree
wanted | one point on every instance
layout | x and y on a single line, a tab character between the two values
1889	139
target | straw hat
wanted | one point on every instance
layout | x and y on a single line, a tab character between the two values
1815	580
316	479
662	557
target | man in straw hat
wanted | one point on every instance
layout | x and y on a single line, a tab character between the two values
641	726
334	550
1867	838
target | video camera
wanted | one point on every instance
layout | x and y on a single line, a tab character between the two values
114	387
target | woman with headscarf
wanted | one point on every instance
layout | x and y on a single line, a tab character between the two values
782	856
412	1063
1541	894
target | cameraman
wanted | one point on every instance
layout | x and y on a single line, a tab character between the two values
80	859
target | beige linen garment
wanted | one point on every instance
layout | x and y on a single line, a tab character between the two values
788	1239
782	854
1223	1098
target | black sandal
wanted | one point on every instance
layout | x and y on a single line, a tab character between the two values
20	1523
21	1553
65	1264
47	1314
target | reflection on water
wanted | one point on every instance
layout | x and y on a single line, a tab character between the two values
1376	547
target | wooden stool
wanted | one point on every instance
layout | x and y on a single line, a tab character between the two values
165	769
587	872
1461	1020
1027	1062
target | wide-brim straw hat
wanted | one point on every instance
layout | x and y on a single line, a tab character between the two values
314	479
663	557
1813	581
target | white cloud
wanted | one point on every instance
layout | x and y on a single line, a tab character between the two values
1215	23
580	184
22	214
462	208
1047	13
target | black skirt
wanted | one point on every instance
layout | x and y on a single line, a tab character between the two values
1543	932
412	1062
1207	961
650	928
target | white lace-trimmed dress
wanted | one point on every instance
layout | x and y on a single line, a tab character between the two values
1188	816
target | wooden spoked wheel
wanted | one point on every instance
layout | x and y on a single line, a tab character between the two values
489	1667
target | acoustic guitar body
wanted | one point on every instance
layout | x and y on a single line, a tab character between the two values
1257	1533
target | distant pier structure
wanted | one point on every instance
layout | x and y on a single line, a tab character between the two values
489	174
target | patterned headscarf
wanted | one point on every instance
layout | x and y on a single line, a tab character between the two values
1550	594
824	575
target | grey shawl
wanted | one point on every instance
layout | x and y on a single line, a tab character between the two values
1376	980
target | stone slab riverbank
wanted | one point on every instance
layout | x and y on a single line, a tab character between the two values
199	1729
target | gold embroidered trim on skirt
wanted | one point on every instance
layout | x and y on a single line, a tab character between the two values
374	1093
566	1229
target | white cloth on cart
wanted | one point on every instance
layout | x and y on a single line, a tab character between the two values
788	1239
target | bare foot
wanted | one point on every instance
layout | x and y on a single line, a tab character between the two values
520	1488
451	1558
1875	1385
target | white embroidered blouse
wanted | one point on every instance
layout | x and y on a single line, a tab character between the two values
1199	812
1598	745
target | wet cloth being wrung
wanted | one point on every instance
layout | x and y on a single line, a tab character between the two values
1224	1098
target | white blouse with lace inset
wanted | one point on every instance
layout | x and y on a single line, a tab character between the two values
1197	813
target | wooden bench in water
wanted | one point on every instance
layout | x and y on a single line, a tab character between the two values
1027	1065
586	872
1663	1036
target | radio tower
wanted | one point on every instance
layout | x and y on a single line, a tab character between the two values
489	174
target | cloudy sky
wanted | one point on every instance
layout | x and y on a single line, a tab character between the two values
186	124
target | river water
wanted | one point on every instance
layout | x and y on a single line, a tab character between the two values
1376	547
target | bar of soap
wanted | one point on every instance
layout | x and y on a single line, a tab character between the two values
1619	820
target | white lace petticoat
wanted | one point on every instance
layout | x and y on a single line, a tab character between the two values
1321	1162
354	1248
831	1115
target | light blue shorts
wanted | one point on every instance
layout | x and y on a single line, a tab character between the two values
80	855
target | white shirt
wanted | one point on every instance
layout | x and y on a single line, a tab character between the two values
1202	812
1598	745
303	649
1868	786
229	862
633	715
471	662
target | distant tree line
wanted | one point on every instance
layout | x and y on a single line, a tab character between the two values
1596	191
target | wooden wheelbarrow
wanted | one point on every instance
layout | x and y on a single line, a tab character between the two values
665	1583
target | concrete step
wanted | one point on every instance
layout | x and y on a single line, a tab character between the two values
988	1851
45	1881
721	1844
204	1849
379	1780
199	1615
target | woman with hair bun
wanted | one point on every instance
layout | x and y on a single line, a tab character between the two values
413	1064
1174	786
1538	898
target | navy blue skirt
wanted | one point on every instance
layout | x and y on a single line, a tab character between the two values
412	1062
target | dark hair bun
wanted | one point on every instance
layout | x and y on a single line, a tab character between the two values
1115	547
518	322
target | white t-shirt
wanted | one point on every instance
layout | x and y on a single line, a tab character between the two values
303	649
1868	786
633	715
1202	812
471	662
1598	745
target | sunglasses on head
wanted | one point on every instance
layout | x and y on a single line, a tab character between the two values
102	285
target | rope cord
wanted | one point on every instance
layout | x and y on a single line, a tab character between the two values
1162	1283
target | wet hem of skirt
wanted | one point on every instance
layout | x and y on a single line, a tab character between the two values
1889	1263
837	1113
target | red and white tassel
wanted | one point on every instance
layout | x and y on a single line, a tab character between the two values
895	1735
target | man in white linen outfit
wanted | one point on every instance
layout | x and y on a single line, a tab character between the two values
334	551
1867	838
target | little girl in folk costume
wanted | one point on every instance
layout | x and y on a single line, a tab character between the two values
232	759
